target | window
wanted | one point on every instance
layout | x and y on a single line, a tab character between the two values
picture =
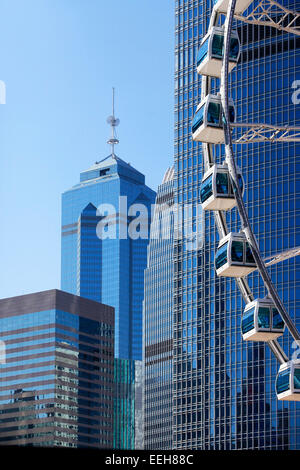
283	381
264	317
222	183
248	320
278	323
213	113
217	45
221	257
206	189
202	54
104	171
237	251
297	379
198	119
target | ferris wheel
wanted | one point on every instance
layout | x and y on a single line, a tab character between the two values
222	186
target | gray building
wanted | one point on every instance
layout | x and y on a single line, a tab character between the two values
158	321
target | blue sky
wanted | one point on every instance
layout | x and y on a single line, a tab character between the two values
59	61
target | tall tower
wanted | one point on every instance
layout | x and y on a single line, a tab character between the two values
100	260
103	259
223	388
158	321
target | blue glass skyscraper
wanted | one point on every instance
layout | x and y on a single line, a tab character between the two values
224	388
109	266
105	232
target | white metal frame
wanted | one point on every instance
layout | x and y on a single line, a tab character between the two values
271	13
241	5
287	254
266	13
252	133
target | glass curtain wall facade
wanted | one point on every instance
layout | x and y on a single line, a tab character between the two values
56	383
128	407
226	398
158	322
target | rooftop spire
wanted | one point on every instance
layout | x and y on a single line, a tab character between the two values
113	123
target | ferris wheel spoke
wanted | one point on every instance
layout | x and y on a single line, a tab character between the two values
279	257
260	132
271	13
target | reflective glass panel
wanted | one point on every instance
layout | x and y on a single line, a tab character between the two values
264	318
202	53
283	381
297	379
217	45
278	323
237	251
221	256
213	113
231	114
206	189
198	119
248	320
222	183
234	48
249	255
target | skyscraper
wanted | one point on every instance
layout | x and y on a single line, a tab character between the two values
105	233
224	388
109	266
57	379
158	321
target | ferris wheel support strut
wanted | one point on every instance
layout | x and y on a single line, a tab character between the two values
246	227
271	13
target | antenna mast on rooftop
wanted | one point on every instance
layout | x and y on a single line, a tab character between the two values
113	123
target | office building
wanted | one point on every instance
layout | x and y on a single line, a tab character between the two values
224	388
109	266
158	321
57	379
105	232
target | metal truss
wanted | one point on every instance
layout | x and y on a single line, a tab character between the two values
265	133
271	13
274	259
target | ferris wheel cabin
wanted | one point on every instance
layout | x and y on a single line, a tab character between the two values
207	124
261	321
211	52
288	381
234	257
216	190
